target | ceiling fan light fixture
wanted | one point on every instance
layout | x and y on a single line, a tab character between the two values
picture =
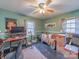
42	11
42	7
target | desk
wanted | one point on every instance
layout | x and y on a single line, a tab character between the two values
14	39
2	41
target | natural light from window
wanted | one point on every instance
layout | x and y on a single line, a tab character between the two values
71	26
30	27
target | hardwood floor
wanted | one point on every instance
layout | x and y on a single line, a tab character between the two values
49	53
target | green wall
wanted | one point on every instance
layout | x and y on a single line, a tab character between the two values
20	20
57	20
39	24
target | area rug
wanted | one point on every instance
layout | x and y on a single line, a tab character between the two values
32	53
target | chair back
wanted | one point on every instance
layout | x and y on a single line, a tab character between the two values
18	54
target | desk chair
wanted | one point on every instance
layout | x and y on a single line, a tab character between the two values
17	54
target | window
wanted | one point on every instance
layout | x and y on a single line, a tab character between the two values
30	28
69	26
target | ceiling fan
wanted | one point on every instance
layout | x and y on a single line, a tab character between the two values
41	6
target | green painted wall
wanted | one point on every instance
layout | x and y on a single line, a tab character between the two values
57	20
20	20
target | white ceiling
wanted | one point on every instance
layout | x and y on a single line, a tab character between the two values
20	6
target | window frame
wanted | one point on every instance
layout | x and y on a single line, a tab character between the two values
70	27
31	28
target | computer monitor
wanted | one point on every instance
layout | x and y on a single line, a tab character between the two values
17	30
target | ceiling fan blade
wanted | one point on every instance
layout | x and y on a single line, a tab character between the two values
48	2
35	11
32	5
30	1
50	10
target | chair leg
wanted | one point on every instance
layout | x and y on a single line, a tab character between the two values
55	45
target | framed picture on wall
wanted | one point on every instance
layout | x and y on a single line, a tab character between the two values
10	23
50	25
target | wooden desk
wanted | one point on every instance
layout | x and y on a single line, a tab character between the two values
14	40
2	41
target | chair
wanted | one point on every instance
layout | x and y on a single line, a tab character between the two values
17	54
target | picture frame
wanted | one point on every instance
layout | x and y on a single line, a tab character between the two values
50	25
9	23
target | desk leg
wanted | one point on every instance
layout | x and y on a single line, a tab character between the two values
10	47
78	53
55	45
25	41
2	56
2	52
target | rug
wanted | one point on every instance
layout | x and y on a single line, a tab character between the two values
32	53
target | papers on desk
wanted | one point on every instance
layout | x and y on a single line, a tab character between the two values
72	48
